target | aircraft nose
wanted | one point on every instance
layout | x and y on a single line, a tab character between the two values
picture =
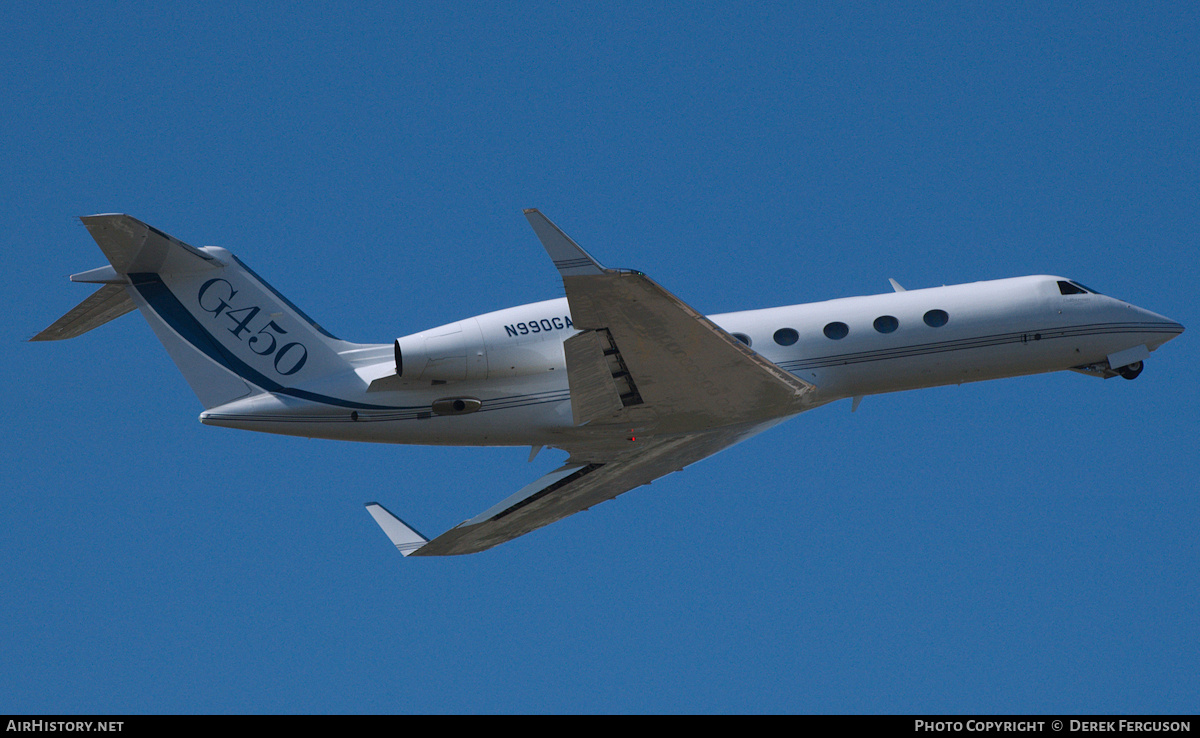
1164	327
1168	325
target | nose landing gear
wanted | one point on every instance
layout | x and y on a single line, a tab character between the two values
1131	371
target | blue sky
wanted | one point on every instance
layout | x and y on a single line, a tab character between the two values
1025	545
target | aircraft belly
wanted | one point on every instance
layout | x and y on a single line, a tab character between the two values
1011	355
506	415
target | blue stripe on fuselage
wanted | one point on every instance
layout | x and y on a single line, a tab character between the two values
172	311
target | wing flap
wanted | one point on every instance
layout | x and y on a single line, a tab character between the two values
594	392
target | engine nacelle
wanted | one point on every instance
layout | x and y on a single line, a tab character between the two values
515	342
450	353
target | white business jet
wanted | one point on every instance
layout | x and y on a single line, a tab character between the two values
629	380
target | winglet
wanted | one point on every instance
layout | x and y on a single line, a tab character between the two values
571	260
400	533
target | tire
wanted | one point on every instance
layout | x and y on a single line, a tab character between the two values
1131	371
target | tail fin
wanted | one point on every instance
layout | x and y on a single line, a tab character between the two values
228	331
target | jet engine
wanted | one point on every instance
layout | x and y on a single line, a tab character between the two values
458	352
449	353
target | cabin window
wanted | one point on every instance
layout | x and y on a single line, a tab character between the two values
837	331
786	336
886	324
1070	288
742	337
936	318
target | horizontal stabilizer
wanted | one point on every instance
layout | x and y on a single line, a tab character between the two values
133	246
404	537
107	303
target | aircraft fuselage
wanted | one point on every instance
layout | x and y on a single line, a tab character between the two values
512	362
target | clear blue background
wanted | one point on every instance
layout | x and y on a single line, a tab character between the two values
1026	545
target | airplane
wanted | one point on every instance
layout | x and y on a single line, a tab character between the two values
628	379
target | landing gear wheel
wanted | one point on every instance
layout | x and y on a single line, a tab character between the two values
1131	371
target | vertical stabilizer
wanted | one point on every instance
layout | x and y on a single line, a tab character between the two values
229	332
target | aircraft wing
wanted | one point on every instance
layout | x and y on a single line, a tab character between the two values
565	491
644	359
655	386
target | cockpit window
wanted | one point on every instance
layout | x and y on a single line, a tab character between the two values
1074	288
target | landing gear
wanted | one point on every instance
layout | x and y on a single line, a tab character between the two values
1131	371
